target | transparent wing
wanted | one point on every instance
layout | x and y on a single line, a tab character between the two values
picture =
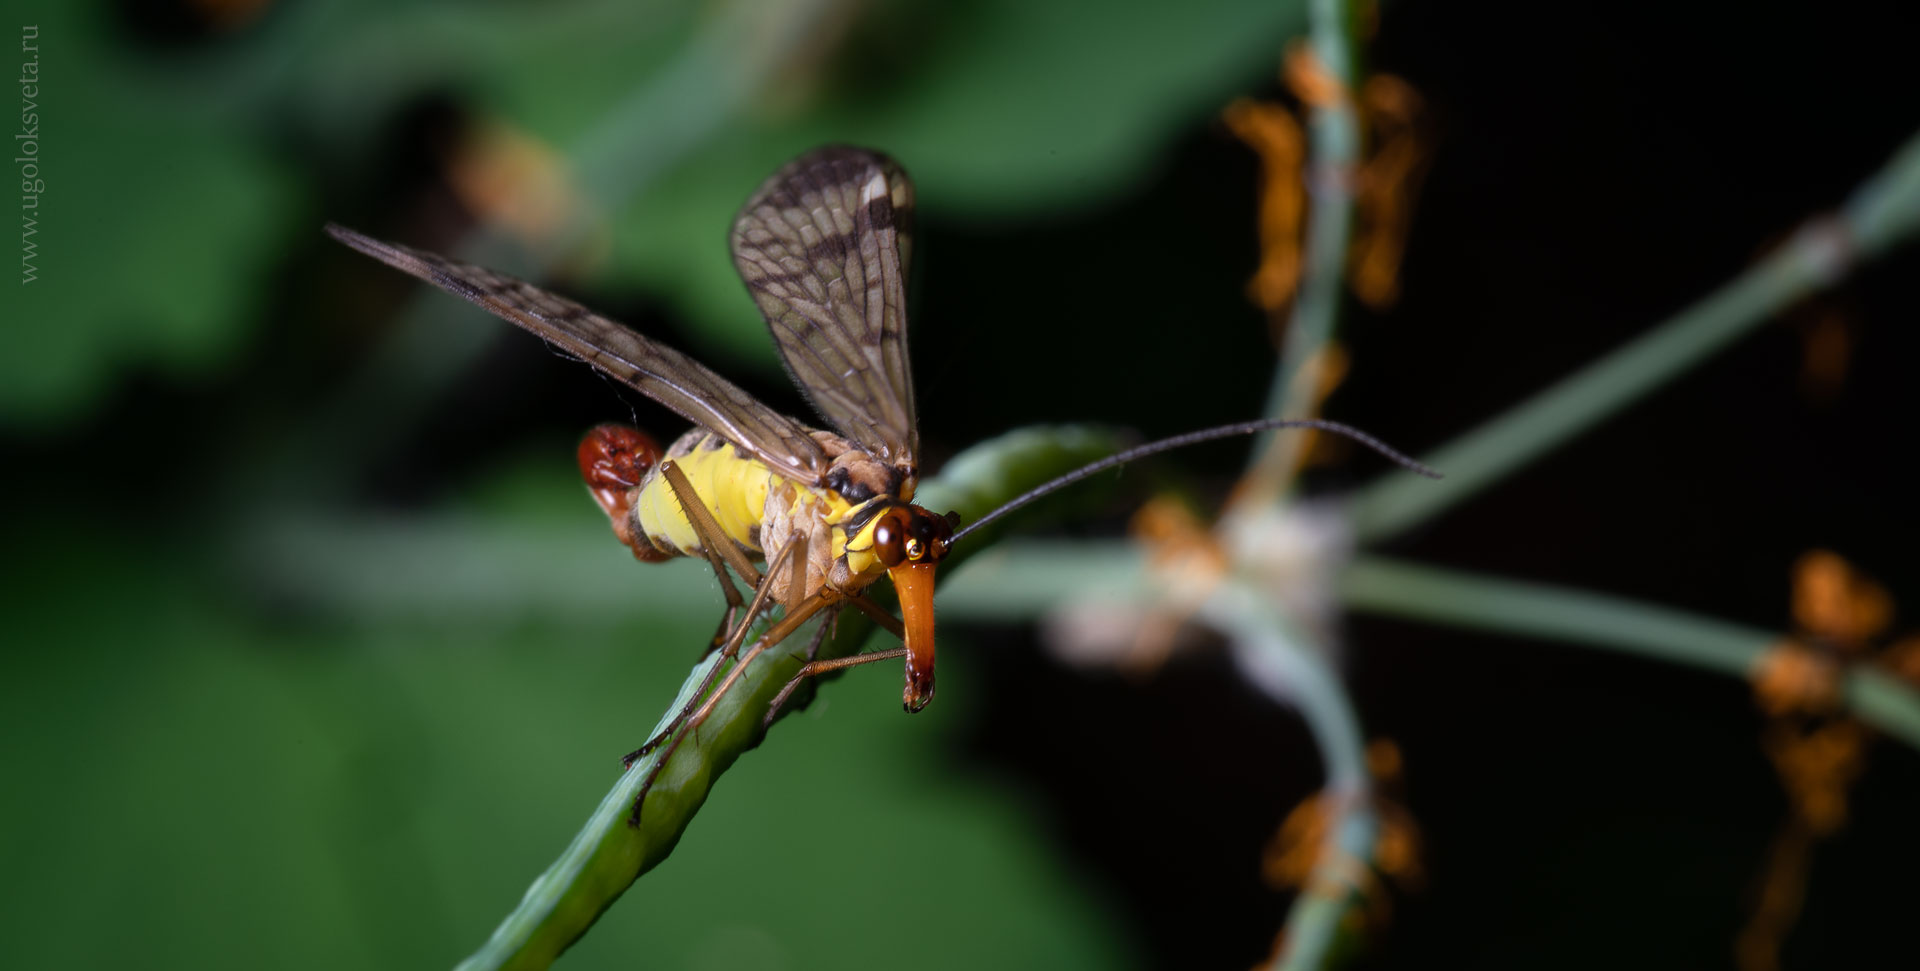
823	247
655	370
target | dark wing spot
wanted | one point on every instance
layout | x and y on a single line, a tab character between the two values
880	212
832	250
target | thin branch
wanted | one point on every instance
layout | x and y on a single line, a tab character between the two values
1333	164
1579	617
1276	659
608	855
1025	580
1882	211
1333	161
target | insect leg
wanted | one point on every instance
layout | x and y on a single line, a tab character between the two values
715	545
713	540
796	572
779	632
729	648
820	633
881	617
813	668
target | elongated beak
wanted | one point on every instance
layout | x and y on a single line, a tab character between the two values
914	583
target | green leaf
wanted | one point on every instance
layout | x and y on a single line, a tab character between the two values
156	228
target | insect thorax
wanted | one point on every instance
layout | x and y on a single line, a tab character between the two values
759	510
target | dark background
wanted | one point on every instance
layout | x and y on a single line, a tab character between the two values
1597	168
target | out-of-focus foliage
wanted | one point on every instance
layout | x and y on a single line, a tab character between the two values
247	727
178	171
195	786
159	224
207	769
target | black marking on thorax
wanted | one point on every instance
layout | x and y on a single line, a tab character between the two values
863	515
858	477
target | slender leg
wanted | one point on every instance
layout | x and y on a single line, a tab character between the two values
796	575
712	541
881	617
828	624
796	572
729	649
704	524
779	632
813	668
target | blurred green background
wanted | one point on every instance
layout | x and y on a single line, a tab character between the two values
315	655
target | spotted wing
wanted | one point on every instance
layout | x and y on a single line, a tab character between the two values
654	369
823	247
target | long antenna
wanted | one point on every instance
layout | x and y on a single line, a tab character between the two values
1194	438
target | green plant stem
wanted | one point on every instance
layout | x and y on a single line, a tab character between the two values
1537	610
1275	657
1881	212
1333	161
1024	580
608	855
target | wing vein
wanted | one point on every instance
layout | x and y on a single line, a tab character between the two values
666	375
823	248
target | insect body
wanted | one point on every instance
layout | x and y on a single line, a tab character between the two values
823	247
858	526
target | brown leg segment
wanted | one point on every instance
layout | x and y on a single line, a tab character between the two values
813	668
712	541
688	724
881	617
730	648
780	632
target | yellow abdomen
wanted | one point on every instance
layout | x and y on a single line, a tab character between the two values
733	487
756	508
